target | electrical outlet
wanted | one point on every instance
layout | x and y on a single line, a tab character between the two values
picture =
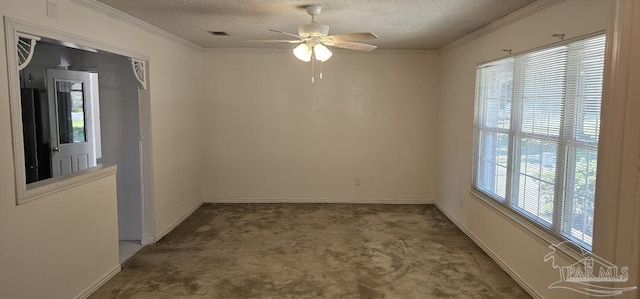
356	182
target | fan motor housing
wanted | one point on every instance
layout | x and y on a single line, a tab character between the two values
313	29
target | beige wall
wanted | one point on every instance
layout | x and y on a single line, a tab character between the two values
60	245
272	134
519	250
57	246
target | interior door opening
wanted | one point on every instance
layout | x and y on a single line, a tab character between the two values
82	108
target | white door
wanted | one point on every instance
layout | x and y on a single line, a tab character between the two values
70	111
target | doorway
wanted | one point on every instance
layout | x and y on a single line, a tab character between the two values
121	144
84	101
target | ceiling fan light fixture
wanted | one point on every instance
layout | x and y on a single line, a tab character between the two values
313	29
322	53
303	52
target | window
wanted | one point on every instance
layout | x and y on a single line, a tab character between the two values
536	128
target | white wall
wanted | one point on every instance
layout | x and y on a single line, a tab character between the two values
271	134
519	250
57	246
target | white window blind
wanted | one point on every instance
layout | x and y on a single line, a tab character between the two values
536	128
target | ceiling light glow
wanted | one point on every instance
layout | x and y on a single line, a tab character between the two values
322	53
303	52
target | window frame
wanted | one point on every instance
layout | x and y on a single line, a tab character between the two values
24	192
551	233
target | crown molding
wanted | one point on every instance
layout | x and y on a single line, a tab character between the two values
121	16
502	22
334	50
493	26
389	51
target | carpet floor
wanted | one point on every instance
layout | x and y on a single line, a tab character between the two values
312	251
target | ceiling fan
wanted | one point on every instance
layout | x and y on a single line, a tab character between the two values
313	39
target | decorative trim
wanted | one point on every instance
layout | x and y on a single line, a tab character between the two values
25	27
390	51
495	25
490	253
334	50
88	291
25	47
148	214
11	35
54	185
177	222
126	18
320	200
502	22
139	71
24	193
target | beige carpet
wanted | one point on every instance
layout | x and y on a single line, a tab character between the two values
312	251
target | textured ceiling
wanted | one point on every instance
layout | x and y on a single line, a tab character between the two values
400	24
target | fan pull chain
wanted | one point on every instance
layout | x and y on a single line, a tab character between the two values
320	69
313	73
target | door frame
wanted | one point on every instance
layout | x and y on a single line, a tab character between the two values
43	188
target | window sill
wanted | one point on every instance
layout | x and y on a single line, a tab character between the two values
54	185
545	238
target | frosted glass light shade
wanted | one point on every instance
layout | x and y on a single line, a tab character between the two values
302	52
322	53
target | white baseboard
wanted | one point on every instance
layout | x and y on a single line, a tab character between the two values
148	241
491	254
176	223
319	200
88	291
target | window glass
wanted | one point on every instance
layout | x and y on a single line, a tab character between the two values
70	104
537	127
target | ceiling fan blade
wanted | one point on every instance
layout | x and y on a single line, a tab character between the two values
352	37
272	41
352	46
285	33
